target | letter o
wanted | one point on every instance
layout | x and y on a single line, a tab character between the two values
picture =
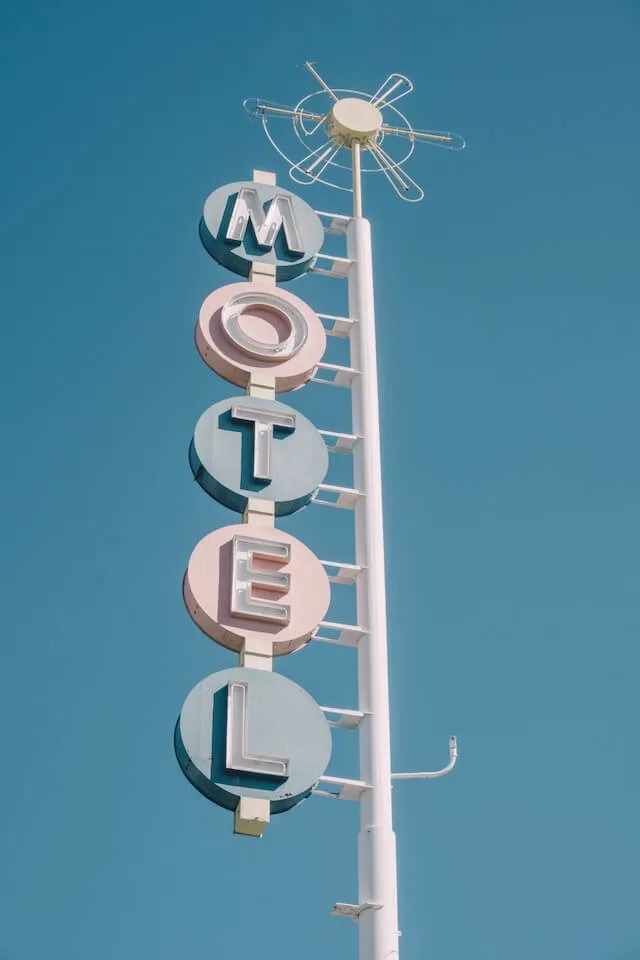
247	329
230	319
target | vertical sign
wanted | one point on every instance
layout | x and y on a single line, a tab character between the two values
247	738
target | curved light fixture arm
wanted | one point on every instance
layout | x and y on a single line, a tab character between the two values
311	167
432	775
393	82
404	185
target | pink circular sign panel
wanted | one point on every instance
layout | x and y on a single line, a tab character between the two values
251	328
256	583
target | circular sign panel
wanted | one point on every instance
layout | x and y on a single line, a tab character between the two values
254	328
254	583
249	447
246	223
252	733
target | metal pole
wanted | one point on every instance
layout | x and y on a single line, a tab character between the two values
357	180
377	872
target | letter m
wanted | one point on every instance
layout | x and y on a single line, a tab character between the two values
266	223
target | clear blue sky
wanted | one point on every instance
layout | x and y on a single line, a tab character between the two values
509	344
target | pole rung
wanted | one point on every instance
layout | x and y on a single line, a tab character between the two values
344	573
346	635
336	375
338	222
345	719
349	789
339	266
352	911
337	326
329	495
339	442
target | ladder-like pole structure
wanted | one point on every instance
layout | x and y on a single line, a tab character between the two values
376	911
377	871
356	122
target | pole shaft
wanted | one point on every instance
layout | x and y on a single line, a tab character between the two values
357	183
377	872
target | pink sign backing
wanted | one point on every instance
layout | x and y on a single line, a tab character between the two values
215	569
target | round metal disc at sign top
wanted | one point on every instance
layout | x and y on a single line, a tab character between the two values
252	733
256	584
253	329
250	447
246	223
353	120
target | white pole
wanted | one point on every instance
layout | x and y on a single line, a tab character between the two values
377	874
357	180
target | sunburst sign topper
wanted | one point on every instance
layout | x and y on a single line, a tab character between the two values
328	122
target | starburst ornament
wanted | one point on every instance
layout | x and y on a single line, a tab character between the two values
328	122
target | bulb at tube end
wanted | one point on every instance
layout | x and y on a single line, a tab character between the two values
457	142
449	140
253	106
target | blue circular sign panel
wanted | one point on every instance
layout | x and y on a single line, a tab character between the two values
245	223
252	733
251	447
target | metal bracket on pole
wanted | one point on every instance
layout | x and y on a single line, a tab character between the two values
335	375
344	719
338	266
330	495
349	789
352	911
337	326
337	222
344	573
345	634
339	442
432	775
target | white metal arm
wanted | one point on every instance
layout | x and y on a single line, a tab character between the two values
431	775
